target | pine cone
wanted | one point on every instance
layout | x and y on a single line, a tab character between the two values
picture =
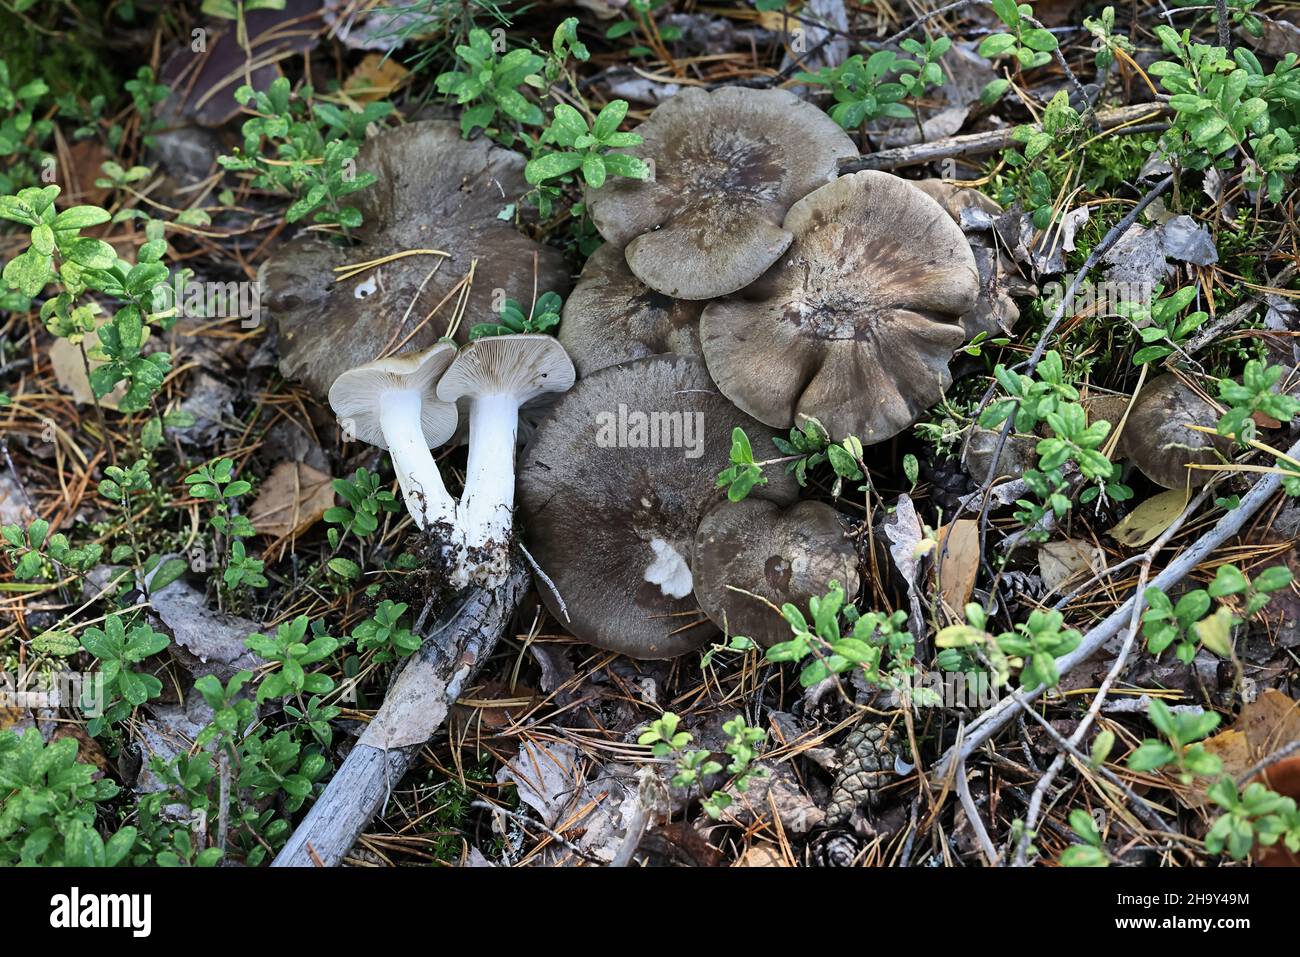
1022	589
835	849
948	483
866	766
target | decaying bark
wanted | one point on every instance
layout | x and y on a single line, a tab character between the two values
416	705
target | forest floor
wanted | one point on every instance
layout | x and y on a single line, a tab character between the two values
168	491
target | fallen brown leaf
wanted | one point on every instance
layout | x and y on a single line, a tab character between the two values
70	371
376	77
1266	724
1059	562
292	499
959	561
761	855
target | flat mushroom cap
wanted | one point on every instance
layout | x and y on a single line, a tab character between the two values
612	489
1156	438
434	191
727	165
856	324
355	395
523	365
612	317
783	555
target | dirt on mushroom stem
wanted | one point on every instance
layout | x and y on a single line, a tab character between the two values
441	557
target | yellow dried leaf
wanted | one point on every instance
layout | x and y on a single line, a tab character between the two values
1145	523
1215	632
375	78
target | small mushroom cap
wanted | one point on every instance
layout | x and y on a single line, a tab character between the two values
434	190
954	198
522	365
611	491
727	165
612	317
1019	454
1156	438
782	555
856	324
355	395
995	312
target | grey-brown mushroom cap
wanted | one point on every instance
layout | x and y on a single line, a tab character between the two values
434	191
1019	454
612	317
857	322
995	312
1157	440
781	555
604	505
727	166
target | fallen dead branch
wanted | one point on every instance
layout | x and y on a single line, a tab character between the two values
977	144
415	707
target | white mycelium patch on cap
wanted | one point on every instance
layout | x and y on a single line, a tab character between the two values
669	570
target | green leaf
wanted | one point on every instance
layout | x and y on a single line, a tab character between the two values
996	44
1228	581
28	272
624	164
551	166
609	119
593	170
81	217
1150	755
345	568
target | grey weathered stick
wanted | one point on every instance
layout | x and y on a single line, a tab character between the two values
459	643
976	144
1216	328
992	720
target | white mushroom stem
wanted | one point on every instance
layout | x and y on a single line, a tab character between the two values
487	507
427	498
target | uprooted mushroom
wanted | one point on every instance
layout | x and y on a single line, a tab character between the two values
391	403
751	557
726	167
856	323
497	376
437	250
612	490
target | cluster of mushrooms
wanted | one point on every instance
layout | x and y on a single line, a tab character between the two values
744	284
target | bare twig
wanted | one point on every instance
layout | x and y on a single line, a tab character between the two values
978	144
973	815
